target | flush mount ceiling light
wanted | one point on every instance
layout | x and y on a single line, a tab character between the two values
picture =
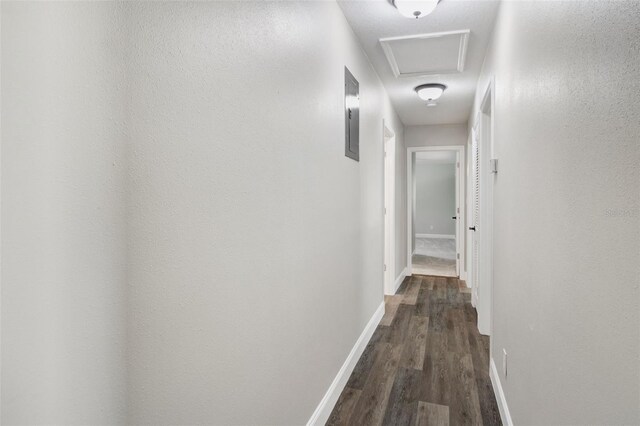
430	92
415	8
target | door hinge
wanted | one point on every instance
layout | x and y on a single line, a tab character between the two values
385	268
458	256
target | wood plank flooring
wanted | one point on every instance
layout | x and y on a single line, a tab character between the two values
426	363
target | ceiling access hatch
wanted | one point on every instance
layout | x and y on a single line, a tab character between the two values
426	54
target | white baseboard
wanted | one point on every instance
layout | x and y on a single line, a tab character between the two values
449	237
497	390
396	285
323	411
467	282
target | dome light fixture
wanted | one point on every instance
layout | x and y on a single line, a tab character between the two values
415	8
430	92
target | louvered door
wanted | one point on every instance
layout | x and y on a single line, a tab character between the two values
475	217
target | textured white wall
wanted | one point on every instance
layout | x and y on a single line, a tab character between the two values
255	245
567	209
63	214
436	135
252	247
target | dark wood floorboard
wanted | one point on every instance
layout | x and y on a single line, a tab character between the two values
344	407
426	363
432	414
402	406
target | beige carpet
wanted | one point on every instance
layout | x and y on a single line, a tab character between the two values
434	256
428	265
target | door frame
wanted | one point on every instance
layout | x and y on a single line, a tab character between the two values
389	212
472	282
469	208
460	203
482	291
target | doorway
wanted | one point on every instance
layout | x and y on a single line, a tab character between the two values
435	214
481	219
389	140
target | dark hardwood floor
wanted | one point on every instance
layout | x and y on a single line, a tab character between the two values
426	363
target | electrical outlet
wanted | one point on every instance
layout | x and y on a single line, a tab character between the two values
504	362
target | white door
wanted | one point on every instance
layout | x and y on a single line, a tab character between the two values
389	195
475	217
485	221
457	216
482	224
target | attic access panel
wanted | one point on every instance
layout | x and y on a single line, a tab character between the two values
426	54
351	116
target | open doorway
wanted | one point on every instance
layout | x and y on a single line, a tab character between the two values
389	140
434	207
484	169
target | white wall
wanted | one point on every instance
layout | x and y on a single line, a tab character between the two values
436	135
176	183
567	209
255	244
435	201
63	214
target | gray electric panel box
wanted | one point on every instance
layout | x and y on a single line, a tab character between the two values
351	116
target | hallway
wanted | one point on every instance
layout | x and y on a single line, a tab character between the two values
426	363
440	200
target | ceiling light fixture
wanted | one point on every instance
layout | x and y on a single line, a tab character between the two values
430	92
415	8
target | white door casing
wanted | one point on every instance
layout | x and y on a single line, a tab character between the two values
457	215
475	217
483	182
460	212
389	142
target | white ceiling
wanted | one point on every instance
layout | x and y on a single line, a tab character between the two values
372	20
414	55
